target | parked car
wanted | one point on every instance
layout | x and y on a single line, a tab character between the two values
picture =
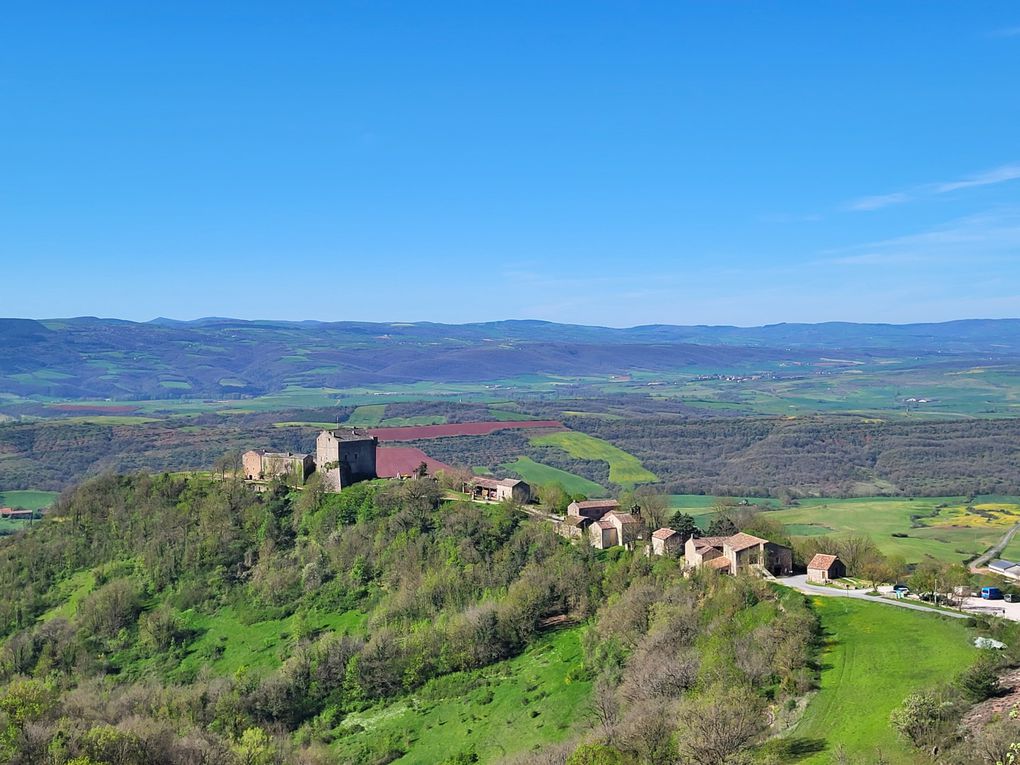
902	589
1009	597
991	593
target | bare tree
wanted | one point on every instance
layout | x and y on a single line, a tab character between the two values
605	706
718	724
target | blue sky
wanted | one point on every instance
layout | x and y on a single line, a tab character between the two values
595	162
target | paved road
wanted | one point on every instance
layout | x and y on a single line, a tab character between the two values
800	583
995	550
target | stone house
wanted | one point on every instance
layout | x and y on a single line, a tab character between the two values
666	541
615	528
345	456
739	553
592	508
262	465
499	490
574	526
602	534
824	568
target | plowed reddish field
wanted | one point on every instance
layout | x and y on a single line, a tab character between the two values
393	461
414	432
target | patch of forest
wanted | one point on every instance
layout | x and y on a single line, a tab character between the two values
752	456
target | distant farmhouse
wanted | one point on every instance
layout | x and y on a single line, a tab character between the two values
498	490
260	465
18	514
345	456
737	554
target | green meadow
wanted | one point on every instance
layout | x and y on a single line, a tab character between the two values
28	499
366	416
538	474
624	468
874	656
949	534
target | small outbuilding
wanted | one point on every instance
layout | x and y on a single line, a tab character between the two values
825	568
493	490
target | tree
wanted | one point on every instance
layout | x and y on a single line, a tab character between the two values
23	701
854	550
877	570
255	747
922	717
719	723
683	524
722	526
553	498
654	506
605	706
595	754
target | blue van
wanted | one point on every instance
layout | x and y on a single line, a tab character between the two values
991	593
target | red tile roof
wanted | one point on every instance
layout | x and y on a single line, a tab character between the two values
586	503
822	561
624	518
742	541
664	533
700	542
719	563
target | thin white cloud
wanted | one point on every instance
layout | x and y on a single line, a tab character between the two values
878	202
1007	32
991	236
989	178
1001	174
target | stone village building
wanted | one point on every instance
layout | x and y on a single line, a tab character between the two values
345	456
261	465
667	542
738	554
602	522
825	568
498	490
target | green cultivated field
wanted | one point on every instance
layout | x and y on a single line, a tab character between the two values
30	499
501	710
874	657
422	419
624	469
366	416
537	474
952	535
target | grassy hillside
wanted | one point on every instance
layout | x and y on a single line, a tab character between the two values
537	474
510	707
874	657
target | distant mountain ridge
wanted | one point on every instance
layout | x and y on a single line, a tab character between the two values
89	357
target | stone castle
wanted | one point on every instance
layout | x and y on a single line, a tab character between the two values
342	456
